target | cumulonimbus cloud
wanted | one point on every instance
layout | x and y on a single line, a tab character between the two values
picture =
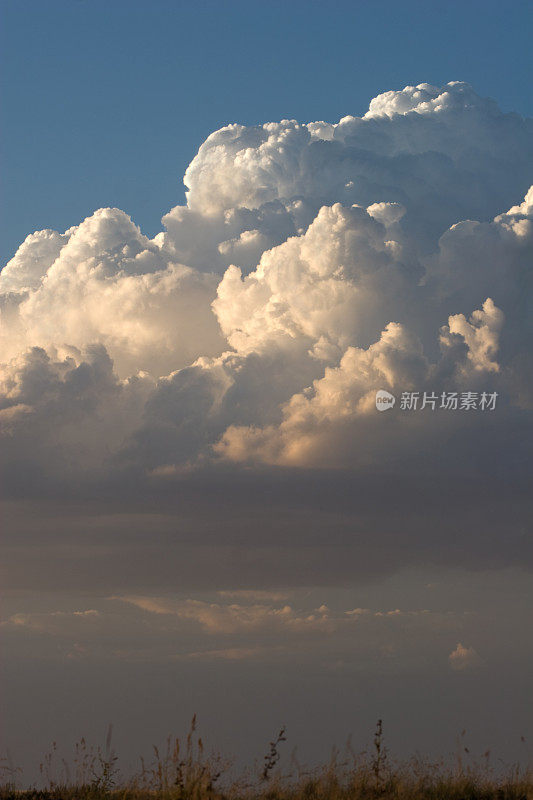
312	265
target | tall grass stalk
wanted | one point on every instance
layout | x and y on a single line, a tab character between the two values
182	771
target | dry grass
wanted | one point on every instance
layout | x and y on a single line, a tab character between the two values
184	772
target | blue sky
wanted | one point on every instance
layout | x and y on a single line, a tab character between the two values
105	103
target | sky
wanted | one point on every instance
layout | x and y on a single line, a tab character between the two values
228	230
105	104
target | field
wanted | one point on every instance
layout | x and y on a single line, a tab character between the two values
184	771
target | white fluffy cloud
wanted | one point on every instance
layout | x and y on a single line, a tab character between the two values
312	265
463	658
336	284
480	334
444	152
65	409
105	282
